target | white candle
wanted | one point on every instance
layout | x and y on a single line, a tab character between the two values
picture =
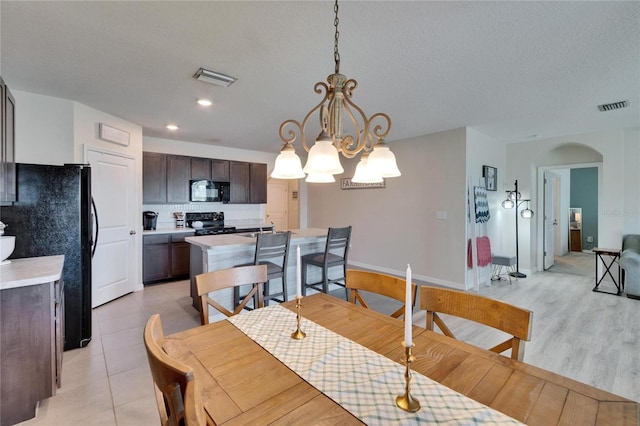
298	274
408	310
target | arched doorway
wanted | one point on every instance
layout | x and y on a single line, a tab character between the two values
569	177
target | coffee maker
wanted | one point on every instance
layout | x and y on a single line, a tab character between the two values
149	220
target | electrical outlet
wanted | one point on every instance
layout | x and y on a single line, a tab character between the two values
589	239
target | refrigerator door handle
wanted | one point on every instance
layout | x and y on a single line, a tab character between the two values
97	227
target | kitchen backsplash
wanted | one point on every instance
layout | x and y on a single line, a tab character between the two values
234	214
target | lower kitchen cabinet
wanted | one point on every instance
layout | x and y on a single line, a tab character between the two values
164	257
31	342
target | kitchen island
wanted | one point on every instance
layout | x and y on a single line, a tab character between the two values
214	252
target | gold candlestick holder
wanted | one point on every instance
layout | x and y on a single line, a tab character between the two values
298	334
407	402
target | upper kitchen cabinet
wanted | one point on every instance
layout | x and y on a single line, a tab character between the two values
258	183
154	178
178	175
165	178
220	170
248	182
7	145
210	169
239	182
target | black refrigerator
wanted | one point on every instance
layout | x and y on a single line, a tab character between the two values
53	215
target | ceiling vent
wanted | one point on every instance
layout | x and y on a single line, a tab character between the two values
613	105
213	77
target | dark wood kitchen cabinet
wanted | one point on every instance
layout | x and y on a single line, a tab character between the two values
209	168
248	182
257	183
165	257
220	170
178	175
154	178
239	182
31	342
180	250
7	145
200	168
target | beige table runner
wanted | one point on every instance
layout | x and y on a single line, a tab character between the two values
362	381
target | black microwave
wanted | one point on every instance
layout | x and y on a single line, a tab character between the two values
209	191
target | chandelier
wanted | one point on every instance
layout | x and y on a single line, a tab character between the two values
335	110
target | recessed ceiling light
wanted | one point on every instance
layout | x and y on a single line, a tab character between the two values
172	127
204	102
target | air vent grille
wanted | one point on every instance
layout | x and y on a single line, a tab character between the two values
613	105
213	77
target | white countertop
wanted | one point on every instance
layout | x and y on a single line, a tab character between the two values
31	271
210	241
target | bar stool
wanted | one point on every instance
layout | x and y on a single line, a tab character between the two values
335	254
272	250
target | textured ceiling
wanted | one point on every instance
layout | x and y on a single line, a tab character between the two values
508	69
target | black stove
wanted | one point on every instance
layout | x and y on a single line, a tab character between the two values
212	223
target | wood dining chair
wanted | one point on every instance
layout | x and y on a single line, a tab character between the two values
334	255
229	278
177	392
382	284
490	312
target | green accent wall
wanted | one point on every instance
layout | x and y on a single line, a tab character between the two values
584	194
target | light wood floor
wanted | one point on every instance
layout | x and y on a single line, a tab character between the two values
590	337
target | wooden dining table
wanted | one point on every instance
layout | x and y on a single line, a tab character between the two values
242	383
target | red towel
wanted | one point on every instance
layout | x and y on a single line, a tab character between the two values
483	253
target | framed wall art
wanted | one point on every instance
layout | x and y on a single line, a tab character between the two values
490	175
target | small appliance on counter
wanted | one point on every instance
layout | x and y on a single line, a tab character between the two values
179	219
149	220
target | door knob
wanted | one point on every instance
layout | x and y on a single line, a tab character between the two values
132	232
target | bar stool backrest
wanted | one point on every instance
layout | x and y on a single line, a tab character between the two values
338	242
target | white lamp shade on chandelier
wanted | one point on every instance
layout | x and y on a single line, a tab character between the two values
288	166
365	173
383	160
323	158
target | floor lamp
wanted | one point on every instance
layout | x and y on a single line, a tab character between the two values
514	201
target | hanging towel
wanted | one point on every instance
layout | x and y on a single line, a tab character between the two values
481	204
483	252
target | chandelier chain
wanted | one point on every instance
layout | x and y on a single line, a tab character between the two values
336	54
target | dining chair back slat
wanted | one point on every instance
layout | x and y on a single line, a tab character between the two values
502	316
177	392
229	278
382	284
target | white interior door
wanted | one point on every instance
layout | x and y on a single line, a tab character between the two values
550	220
113	189
277	192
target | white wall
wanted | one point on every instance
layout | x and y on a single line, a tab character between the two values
397	225
483	150
523	160
631	178
44	129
